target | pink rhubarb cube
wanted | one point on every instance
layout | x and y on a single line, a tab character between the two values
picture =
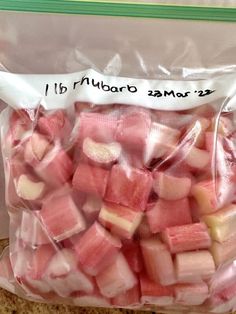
99	127
90	179
55	125
133	129
191	294
187	237
129	187
55	168
169	213
130	298
96	249
61	217
158	261
116	278
120	220
154	293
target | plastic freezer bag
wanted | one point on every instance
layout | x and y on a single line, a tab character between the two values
120	175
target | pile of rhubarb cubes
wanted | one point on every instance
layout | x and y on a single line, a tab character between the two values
121	206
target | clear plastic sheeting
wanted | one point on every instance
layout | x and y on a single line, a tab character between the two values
118	145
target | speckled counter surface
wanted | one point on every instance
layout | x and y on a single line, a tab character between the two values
11	304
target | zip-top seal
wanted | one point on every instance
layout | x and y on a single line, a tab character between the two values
60	91
210	12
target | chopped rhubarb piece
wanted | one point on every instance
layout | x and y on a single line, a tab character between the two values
92	207
205	194
169	213
129	187
116	278
31	230
222	223
55	168
194	266
129	298
144	230
197	158
154	293
90	179
96	249
133	129
36	148
39	261
62	263
121	220
187	237
132	253
61	217
64	276
160	141
55	125
198	129
170	187
98	127
158	261
225	251
101	153
191	294
28	189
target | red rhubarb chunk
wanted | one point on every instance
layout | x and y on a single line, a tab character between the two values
90	179
169	213
96	249
154	293
55	125
187	237
98	127
133	130
129	187
61	217
55	168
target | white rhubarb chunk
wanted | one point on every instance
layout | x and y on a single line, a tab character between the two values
36	148
187	237
224	251
65	277
29	190
103	153
191	294
205	193
158	261
170	187
121	220
116	278
197	158
92	207
194	266
31	230
222	223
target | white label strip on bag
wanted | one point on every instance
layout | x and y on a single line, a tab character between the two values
61	91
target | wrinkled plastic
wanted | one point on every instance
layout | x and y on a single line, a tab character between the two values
120	205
